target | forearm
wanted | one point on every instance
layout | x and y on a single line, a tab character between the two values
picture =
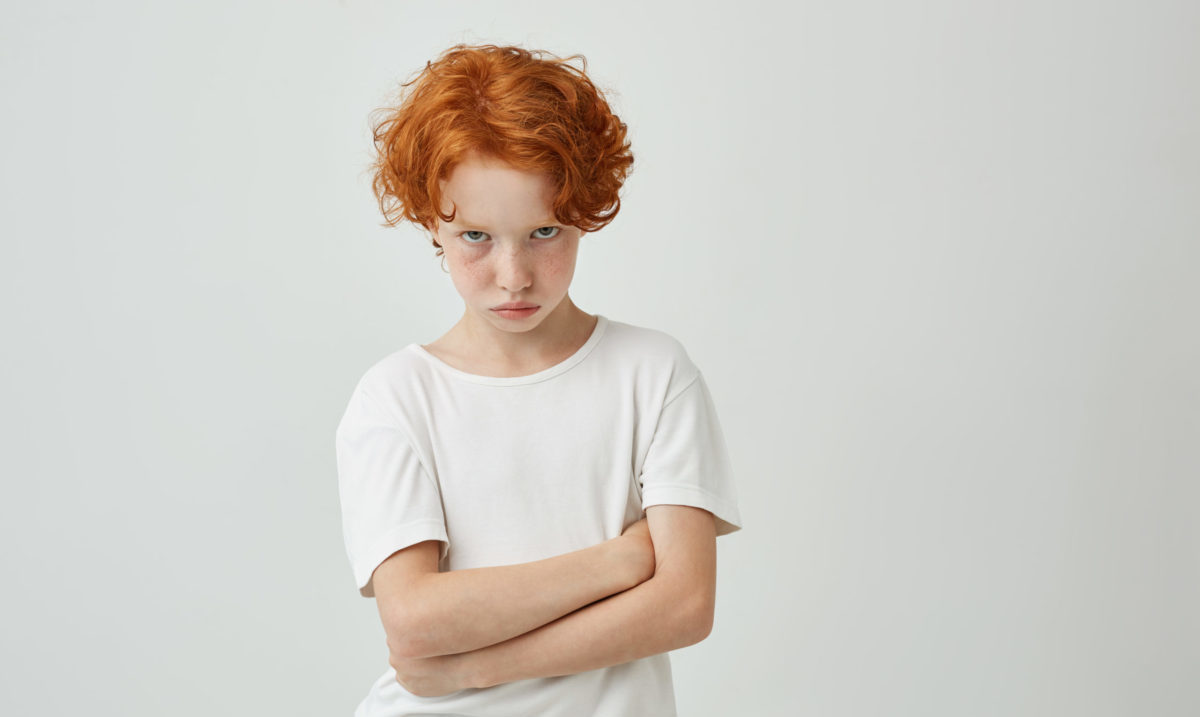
644	620
464	610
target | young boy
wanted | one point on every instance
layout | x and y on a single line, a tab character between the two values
493	483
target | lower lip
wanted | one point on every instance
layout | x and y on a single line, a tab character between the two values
516	313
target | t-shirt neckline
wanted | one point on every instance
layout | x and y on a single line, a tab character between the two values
547	373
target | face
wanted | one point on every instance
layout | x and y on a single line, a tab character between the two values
504	245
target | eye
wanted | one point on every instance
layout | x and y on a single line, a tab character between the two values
473	234
539	232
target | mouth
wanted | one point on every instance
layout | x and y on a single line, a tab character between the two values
517	313
516	305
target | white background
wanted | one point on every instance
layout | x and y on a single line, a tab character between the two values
937	260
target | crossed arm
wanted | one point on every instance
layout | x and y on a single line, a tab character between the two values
580	611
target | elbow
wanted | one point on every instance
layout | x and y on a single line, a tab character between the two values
698	620
408	635
407	648
692	604
704	622
412	646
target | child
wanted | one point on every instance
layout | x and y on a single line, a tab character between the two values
493	483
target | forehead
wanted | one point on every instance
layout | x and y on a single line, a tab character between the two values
487	190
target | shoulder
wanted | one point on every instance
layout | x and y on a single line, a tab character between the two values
399	369
392	384
654	353
647	345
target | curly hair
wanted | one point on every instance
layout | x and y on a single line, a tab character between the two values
528	108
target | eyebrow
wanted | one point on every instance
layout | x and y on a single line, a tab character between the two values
464	222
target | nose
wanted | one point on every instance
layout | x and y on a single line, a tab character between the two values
514	268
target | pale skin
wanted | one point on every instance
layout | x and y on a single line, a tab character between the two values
672	609
650	590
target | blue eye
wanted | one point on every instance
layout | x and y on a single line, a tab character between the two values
474	236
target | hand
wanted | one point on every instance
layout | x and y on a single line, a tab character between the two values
638	553
431	676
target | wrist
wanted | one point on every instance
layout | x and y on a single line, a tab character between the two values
620	554
633	556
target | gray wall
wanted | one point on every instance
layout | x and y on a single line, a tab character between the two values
937	261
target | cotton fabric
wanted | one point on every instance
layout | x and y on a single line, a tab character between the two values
505	470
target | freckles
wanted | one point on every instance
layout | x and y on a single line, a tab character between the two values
553	266
471	266
475	269
559	263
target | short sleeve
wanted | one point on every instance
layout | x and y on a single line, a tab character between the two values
688	462
389	501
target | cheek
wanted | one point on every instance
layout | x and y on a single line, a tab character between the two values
556	268
474	268
559	265
470	275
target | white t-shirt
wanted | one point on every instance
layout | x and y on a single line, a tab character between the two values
506	470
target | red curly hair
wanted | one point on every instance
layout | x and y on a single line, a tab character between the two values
528	108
